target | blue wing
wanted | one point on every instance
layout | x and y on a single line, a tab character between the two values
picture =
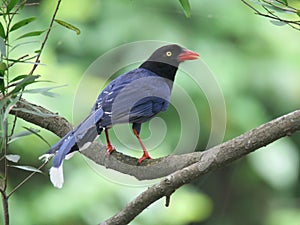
134	97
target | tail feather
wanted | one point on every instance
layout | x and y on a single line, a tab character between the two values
77	139
57	176
68	144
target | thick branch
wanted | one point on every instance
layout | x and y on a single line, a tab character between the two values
181	169
156	168
42	117
211	159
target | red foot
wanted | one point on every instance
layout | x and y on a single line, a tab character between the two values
145	156
109	149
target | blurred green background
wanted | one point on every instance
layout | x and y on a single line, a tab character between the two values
256	65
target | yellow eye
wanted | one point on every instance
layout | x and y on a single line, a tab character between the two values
168	53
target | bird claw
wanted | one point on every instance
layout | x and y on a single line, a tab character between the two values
109	150
145	156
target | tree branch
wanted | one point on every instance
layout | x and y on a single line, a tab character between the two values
211	159
156	168
179	169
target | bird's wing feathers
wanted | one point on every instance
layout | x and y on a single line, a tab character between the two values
134	97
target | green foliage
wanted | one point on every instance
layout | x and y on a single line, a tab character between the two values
2	32
28	131
186	7
11	5
12	87
22	23
281	11
19	86
32	34
68	26
27	168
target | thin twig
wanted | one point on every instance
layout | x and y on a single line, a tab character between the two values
46	38
25	180
37	61
5	207
288	22
292	23
289	9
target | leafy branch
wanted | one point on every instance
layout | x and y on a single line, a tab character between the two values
12	88
282	12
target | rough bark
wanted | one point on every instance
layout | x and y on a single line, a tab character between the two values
155	168
177	169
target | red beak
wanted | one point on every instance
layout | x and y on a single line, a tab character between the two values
187	55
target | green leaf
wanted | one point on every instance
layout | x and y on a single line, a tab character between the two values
27	168
13	158
185	4
35	132
285	2
279	8
29	79
278	23
18	78
44	91
24	60
22	44
22	23
12	103
298	12
68	26
28	131
31	34
3	66
2	32
12	4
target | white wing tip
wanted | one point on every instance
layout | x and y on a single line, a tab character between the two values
57	176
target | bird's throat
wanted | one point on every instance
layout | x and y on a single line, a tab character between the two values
162	69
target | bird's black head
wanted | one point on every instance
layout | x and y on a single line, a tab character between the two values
165	60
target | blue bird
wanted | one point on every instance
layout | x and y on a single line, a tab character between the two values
134	97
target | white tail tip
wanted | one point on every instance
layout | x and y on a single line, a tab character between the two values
57	176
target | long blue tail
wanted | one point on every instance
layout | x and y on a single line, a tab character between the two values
77	139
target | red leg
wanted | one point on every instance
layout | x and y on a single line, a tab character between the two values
146	154
109	148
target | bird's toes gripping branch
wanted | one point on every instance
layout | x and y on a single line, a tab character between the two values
109	149
145	156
